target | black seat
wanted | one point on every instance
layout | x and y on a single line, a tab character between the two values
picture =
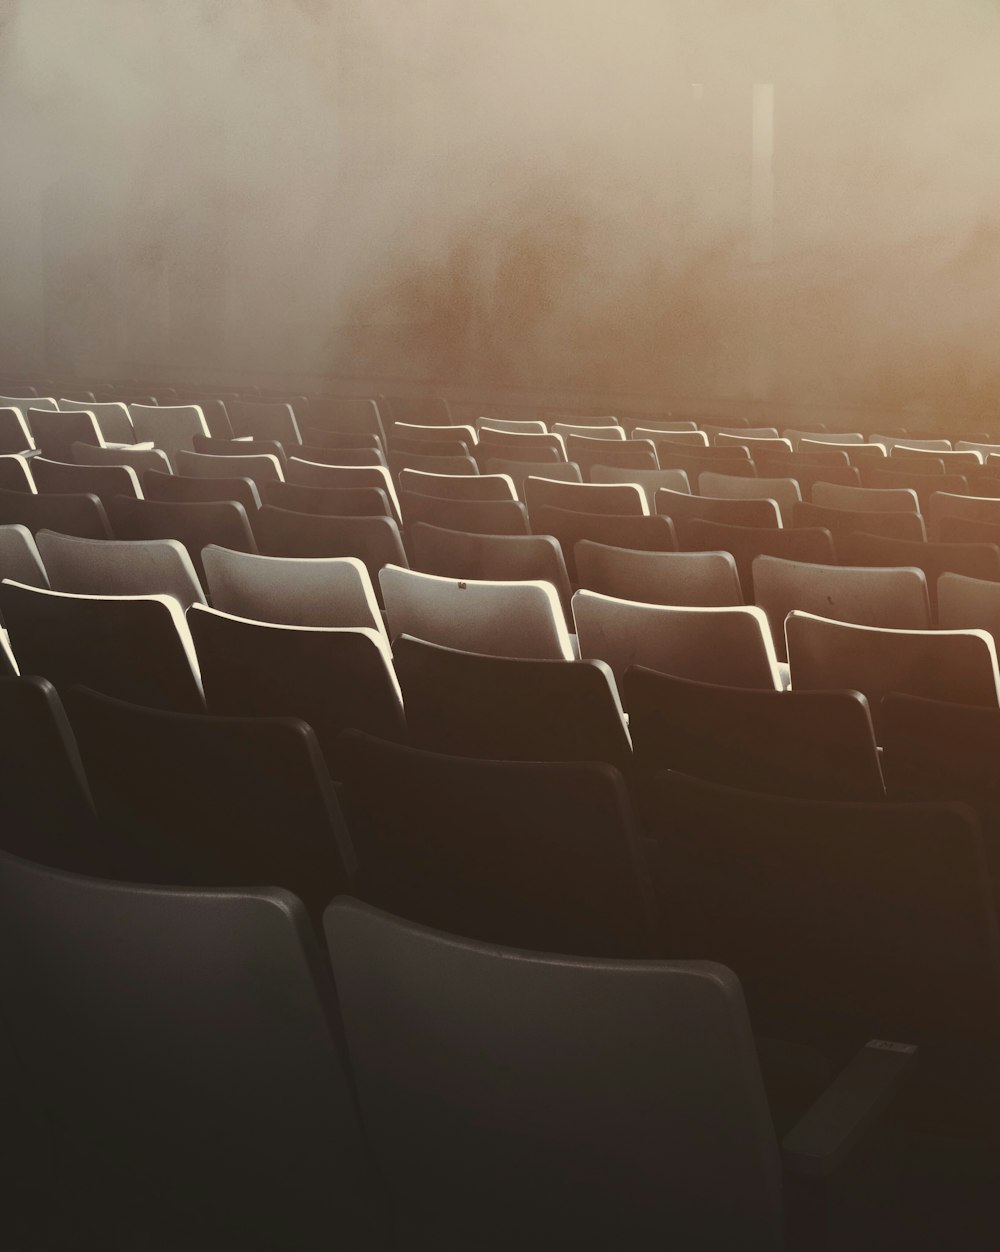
328	501
843	921
374	540
332	678
816	745
814	545
196	525
135	647
184	1048
841	522
82	515
213	801
580	1104
496	558
647	534
182	489
480	517
48	813
505	709
528	854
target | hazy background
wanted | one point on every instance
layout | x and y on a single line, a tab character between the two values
507	192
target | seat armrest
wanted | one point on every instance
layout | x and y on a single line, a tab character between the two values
823	1137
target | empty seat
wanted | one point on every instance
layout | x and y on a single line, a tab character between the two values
746	543
135	647
48	813
139	459
347	413
518	852
517	619
179	489
958	665
843	920
259	469
975	560
622	499
14	433
330	677
328	501
511	427
171	428
212	446
506	709
450	1064
968	602
433	433
55	432
647	534
103	481
888	442
264	420
519	471
813	744
175	1017
857	453
195	525
649	481
105	567
968	530
309	474
342	440
695	439
972	508
865	499
722	645
15	474
528	447
20	559
682	509
613	432
697	461
493	558
630	453
111	416
896	598
292	591
841	522
925	485
784	492
457	486
77	514
374	540
684	578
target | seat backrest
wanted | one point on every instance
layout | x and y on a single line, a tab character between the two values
519	471
494	558
682	509
511	427
696	439
613	432
622	499
140	459
374	540
888	442
964	602
447	1071
723	645
292	591
506	709
895	597
330	677
76	514
170	427
975	560
112	418
180	489
347	414
588	452
649	481
433	433
840	522
534	854
825	655
784	492
746	543
865	499
20	559
213	446
328	501
15	474
223	522
310	474
264	420
103	481
138	1007
55	432
106	567
259	469
526	447
515	618
972	508
842	919
134	647
482	517
458	486
684	578
646	534
811	744
14	433
47	806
